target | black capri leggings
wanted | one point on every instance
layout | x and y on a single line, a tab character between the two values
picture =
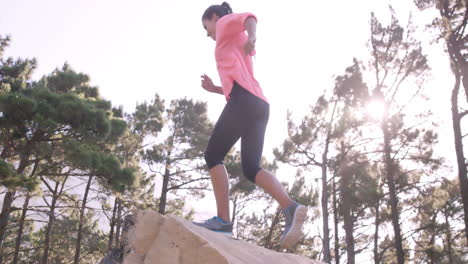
245	116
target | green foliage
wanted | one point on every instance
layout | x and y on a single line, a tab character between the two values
9	177
189	123
450	24
27	239
62	116
178	158
363	185
100	164
62	123
67	81
4	42
147	118
351	87
397	57
439	236
329	120
15	74
64	238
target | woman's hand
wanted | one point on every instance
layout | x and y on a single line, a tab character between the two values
207	83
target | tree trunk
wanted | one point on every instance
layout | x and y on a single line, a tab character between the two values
163	199
234	208
81	222
449	236
345	190
431	251
390	171
335	219
459	67
112	225
461	164
48	234
20	228
6	144
4	217
22	219
8	201
272	228
456	43
326	230
376	233
164	188
119	222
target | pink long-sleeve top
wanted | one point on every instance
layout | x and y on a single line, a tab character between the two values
232	62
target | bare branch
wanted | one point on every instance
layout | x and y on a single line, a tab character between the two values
462	114
185	183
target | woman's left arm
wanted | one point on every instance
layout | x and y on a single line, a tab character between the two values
251	28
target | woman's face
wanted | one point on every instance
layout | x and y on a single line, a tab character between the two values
210	26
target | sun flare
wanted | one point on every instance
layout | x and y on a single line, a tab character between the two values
375	109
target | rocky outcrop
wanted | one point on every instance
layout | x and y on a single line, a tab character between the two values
152	238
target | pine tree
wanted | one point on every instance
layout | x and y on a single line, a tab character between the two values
60	118
397	60
438	236
144	124
329	120
178	159
64	239
452	27
358	190
9	244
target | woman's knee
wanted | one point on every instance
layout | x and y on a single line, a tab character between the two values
250	172
212	159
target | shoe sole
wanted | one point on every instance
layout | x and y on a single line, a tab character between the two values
228	234
295	232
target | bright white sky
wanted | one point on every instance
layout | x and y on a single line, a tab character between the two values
134	49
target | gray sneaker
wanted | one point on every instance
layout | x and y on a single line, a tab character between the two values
295	216
217	224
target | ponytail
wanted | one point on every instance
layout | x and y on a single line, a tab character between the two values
219	10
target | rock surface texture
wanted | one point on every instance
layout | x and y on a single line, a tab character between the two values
155	239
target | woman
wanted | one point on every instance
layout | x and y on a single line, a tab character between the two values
245	116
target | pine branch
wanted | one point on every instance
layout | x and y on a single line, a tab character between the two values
183	171
46	183
177	187
193	188
461	28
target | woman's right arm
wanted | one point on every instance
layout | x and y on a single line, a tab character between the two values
207	84
218	89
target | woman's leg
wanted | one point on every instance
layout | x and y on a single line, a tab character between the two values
225	135
273	187
251	151
219	180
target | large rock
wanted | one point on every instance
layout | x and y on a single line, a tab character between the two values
155	239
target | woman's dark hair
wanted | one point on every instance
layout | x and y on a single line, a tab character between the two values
220	10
